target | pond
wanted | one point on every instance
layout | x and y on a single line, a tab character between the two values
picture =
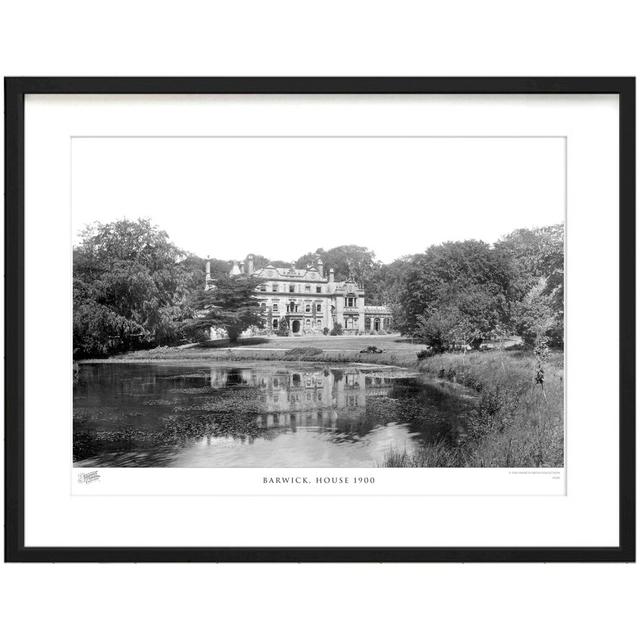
258	414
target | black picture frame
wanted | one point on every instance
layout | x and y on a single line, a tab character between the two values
15	91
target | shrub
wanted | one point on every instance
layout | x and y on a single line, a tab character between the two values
325	331
283	327
337	330
371	349
421	355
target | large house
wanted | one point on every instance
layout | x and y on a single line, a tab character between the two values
310	300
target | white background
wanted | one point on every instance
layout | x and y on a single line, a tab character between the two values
354	190
332	38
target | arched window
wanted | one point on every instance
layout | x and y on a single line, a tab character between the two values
307	308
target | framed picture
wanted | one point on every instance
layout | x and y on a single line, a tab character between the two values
320	319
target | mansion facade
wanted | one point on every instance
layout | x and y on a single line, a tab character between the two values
309	300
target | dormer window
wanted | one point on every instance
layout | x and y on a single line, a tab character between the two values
351	301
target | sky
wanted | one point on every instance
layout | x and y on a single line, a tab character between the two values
284	197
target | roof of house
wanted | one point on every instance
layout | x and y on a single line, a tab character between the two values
310	273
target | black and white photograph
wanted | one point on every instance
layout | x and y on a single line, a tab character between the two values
318	301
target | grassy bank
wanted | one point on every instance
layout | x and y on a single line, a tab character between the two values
517	423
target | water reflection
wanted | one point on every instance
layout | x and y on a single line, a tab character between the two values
256	415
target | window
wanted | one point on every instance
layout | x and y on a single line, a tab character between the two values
319	322
308	322
307	288
274	288
275	321
350	301
318	289
263	287
292	288
307	308
318	308
275	307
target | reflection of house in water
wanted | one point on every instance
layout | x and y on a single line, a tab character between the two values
308	398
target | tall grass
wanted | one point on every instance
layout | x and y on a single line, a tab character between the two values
517	423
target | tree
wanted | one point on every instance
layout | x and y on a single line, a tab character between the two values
467	275
538	257
260	262
337	330
230	304
462	317
310	258
347	261
535	317
385	284
130	288
283	327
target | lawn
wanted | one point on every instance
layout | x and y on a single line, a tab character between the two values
396	349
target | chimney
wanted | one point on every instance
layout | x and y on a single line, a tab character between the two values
207	277
331	274
320	266
250	264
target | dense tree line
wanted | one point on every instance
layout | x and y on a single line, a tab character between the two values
133	289
467	293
